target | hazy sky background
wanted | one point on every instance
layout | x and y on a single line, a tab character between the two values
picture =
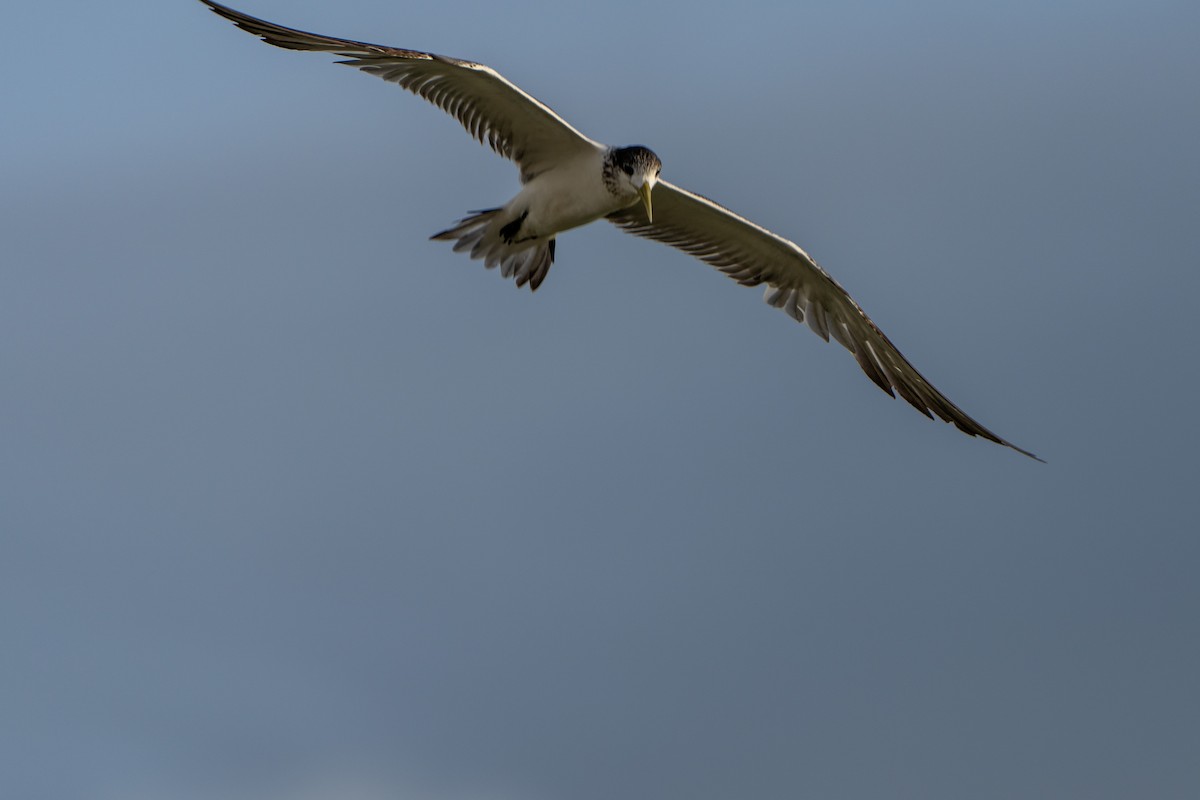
296	504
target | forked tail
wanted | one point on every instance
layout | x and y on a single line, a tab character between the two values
527	260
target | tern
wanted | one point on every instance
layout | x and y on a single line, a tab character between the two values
569	180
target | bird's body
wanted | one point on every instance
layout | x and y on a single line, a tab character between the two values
569	180
519	236
565	197
573	194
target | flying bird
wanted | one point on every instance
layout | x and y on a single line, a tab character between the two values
569	180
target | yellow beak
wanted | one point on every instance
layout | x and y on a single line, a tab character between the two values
645	193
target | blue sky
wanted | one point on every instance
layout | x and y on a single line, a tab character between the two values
295	503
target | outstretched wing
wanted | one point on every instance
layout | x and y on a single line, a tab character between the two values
491	108
752	255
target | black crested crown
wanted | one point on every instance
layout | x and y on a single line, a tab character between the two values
635	158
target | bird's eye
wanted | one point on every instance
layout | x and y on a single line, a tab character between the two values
628	170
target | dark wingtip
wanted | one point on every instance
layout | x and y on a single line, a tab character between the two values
1023	452
217	8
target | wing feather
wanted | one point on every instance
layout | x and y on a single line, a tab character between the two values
492	109
752	255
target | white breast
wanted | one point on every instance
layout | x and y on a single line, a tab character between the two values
566	197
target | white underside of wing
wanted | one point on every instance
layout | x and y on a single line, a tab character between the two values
493	109
753	255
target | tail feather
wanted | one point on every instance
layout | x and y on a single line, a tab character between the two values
533	270
475	224
528	261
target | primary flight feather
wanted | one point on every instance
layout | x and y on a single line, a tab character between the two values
570	180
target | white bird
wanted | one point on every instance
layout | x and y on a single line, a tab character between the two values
570	180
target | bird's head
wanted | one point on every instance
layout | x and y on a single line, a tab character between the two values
635	170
